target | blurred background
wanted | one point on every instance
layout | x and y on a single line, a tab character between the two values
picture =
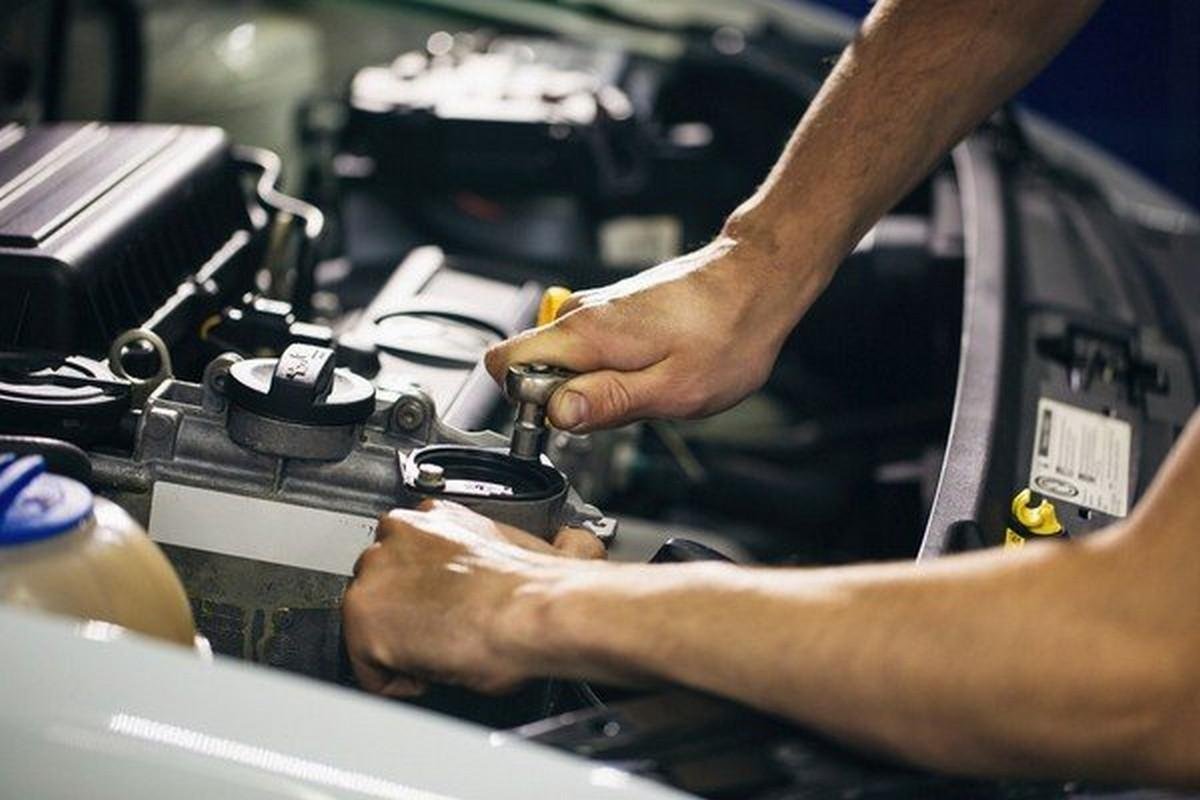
1130	82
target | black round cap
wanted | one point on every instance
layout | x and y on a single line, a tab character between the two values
302	386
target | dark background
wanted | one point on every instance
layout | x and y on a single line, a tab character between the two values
1131	82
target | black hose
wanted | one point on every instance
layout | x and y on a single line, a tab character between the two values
62	458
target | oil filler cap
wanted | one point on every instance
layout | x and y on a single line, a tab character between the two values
302	386
35	504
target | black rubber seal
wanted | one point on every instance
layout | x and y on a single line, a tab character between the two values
527	480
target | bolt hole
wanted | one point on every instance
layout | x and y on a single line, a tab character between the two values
140	359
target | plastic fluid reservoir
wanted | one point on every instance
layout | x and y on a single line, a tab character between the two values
66	552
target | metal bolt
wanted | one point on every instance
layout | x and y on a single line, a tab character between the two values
408	414
216	379
431	477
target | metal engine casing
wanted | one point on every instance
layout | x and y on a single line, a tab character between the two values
265	544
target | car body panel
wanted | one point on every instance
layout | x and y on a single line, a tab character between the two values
88	710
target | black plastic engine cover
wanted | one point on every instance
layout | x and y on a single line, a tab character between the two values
107	227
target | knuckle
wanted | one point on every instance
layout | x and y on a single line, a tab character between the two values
354	612
595	549
576	300
391	523
571	322
580	544
615	398
494	685
498	357
585	316
493	359
691	399
367	561
351	601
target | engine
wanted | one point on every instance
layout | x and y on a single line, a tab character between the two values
261	477
256	376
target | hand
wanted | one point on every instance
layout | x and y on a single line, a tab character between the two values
687	338
426	598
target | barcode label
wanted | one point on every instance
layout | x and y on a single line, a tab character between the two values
1081	457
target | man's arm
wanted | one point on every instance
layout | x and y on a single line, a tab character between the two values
1075	660
695	335
1064	660
919	76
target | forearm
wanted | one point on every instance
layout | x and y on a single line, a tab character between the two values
990	664
919	76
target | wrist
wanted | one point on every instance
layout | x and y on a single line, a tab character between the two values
767	230
540	628
788	263
614	623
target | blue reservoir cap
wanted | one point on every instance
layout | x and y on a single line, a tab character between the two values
35	504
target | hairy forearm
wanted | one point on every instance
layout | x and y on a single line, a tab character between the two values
990	665
1076	660
919	75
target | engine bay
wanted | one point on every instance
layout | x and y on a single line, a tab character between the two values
223	360
256	354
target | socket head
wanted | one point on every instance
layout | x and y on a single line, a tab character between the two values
534	383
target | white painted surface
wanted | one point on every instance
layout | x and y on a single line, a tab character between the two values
264	530
89	712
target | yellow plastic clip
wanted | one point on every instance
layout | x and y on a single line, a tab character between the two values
1039	521
552	300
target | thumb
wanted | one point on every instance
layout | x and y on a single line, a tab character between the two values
604	399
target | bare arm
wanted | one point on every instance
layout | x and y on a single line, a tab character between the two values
695	335
1078	660
919	76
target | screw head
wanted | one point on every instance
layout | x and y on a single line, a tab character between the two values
431	477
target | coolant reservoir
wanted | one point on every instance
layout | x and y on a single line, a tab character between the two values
66	552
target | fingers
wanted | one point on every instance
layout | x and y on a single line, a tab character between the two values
578	543
404	686
408	519
380	680
569	542
606	399
392	523
526	541
368	653
559	343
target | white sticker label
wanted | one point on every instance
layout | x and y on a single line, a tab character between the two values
1082	457
264	530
